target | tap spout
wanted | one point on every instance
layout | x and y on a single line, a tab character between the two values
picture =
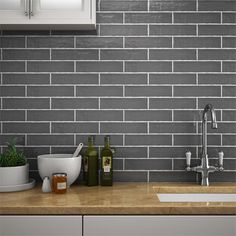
209	107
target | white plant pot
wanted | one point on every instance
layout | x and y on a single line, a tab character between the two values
15	175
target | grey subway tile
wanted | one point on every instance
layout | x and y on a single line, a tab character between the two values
29	78
172	176
123	103
117	164
217	54
99	66
172	30
148	17
229	139
172	103
217	29
74	103
123	30
223	5
123	127
216	79
148	42
219	103
107	17
148	115
50	66
194	140
50	115
170	152
12	42
208	17
99	42
194	115
50	42
9	115
123	54
130	176
39	140
25	54
229	91
74	54
229	66
99	91
26	127
199	66
123	5
12	66
148	66
229	176
180	164
172	79
229	17
172	54
26	103
6	138
172	5
131	152
139	91
50	91
99	115
12	91
229	42
222	128
172	128
197	42
229	115
148	164
148	139
197	91
74	127
123	78
61	78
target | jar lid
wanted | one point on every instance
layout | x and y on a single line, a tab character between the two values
59	174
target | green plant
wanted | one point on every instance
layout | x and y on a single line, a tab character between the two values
12	156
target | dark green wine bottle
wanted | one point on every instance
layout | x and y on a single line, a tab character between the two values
106	164
91	164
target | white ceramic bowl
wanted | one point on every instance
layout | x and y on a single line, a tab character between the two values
54	163
16	175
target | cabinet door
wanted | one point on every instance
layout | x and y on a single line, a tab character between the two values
63	12
159	225
41	225
14	11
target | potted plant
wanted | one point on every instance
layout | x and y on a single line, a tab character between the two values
14	169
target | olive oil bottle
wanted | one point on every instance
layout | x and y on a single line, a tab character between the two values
91	164
106	164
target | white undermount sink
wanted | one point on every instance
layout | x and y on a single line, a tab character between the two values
197	197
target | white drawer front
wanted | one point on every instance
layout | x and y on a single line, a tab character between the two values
40	225
159	225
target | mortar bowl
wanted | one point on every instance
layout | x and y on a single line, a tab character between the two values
60	163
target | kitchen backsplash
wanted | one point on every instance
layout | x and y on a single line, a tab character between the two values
143	77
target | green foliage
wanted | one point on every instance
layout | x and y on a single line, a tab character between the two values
12	157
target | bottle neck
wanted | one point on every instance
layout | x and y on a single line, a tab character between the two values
107	142
90	141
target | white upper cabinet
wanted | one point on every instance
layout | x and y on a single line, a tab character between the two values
48	14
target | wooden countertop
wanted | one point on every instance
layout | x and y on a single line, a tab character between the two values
122	198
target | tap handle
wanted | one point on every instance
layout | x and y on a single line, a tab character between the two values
221	158
188	158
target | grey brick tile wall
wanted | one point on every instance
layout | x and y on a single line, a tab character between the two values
143	77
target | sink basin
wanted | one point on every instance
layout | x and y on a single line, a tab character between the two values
197	197
59	163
